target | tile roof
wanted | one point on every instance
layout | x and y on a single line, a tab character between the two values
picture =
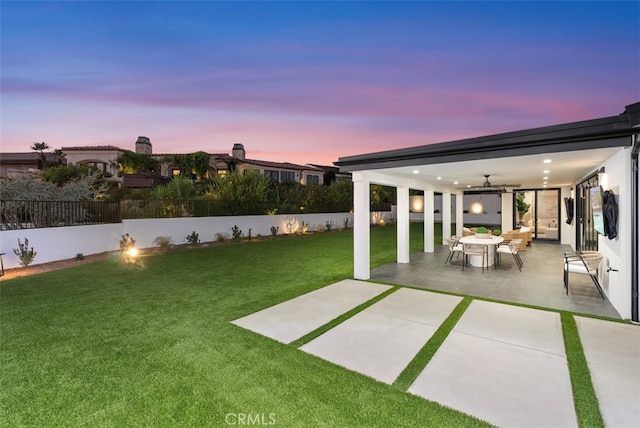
280	165
92	148
26	157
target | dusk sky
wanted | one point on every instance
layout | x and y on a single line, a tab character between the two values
308	82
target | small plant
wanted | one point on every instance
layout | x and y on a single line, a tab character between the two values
249	236
128	248
497	232
79	256
291	224
24	253
329	224
482	230
193	238
127	243
221	237
164	242
319	228
345	223
304	227
274	230
236	233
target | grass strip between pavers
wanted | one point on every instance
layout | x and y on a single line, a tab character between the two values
422	358
585	400
340	319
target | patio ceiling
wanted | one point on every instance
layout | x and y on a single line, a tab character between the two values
565	168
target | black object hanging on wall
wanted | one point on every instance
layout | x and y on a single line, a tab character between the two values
610	214
568	205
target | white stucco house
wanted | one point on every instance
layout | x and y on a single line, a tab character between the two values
567	159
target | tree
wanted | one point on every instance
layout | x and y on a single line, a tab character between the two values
62	174
240	194
40	148
176	194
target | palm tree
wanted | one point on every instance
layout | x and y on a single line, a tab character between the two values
40	148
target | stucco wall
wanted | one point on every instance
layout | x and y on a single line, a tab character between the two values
617	252
61	243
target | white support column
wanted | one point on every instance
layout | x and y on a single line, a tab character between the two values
428	221
403	224
459	214
361	228
506	221
446	217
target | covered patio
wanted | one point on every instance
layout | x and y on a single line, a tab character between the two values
539	284
562	157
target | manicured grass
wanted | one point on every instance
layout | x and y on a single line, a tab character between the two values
584	396
420	361
107	344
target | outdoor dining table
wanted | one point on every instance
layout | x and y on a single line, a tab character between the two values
491	242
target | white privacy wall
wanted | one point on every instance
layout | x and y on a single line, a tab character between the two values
59	243
617	252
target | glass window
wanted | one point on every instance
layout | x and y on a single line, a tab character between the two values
313	179
274	175
287	176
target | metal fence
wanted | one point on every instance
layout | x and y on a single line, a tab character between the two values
38	214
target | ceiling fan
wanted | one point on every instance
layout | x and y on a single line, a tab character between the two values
487	186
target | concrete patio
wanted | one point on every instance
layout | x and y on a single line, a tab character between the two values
539	284
502	363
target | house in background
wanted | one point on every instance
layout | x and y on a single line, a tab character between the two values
19	164
105	159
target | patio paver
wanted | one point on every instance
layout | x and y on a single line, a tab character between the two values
381	340
612	351
504	364
290	320
501	363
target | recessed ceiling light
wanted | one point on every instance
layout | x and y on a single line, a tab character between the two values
545	178
468	185
545	182
546	171
438	178
547	161
455	182
415	171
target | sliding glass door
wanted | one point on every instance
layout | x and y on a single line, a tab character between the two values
539	210
586	235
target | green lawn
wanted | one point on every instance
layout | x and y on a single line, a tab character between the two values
106	344
113	345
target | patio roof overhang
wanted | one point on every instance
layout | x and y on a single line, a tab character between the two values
515	157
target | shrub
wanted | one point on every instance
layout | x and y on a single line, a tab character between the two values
236	233
274	230
164	242
193	238
221	237
291	224
79	256
128	248
329	225
497	232
24	253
